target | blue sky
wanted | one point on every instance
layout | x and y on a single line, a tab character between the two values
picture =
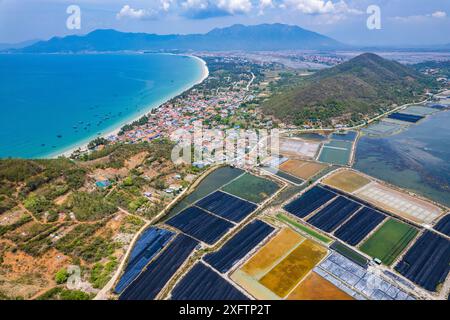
403	22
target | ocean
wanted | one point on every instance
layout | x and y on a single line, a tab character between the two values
417	158
50	103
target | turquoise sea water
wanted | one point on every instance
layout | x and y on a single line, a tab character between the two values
50	103
417	159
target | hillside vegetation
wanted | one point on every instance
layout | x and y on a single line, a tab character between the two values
350	92
53	214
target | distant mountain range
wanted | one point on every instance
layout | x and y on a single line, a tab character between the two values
18	45
353	90
436	47
407	48
236	37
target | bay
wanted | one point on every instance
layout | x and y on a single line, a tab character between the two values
51	103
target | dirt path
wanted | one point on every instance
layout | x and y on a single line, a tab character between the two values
250	82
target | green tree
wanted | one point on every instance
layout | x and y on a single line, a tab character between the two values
61	276
128	182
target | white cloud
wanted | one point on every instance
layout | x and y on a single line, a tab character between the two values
423	17
343	7
334	9
195	4
439	14
320	7
217	7
310	6
129	12
166	4
235	6
322	12
264	4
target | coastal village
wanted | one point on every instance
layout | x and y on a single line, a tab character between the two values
223	101
217	102
227	99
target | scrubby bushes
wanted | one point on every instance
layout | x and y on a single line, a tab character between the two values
16	170
101	273
61	276
81	243
90	206
6	203
37	204
59	293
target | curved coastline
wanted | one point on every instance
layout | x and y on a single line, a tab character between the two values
115	129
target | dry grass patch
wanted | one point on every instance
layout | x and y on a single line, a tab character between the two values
23	275
302	169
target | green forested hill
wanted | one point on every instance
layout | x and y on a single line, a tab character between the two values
353	90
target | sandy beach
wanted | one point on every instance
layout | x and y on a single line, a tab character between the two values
115	131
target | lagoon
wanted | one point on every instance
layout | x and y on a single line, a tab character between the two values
417	158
